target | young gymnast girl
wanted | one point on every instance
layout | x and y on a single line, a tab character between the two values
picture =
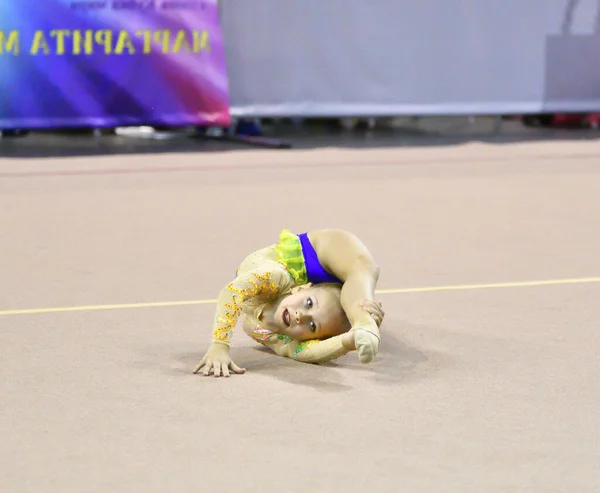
309	297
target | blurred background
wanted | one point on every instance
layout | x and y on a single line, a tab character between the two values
174	69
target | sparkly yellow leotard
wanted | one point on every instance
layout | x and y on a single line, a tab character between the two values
263	276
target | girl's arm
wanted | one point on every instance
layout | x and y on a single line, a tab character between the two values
265	282
314	351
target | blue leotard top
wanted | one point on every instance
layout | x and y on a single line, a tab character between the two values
315	272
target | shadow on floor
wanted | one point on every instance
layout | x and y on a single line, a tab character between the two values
397	363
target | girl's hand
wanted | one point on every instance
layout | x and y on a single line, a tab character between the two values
218	360
373	308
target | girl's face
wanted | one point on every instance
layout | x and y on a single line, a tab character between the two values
310	312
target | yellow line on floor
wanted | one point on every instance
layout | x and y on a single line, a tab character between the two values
522	284
462	287
92	308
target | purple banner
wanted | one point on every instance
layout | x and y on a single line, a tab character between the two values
107	63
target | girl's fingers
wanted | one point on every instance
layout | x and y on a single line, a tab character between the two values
236	369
